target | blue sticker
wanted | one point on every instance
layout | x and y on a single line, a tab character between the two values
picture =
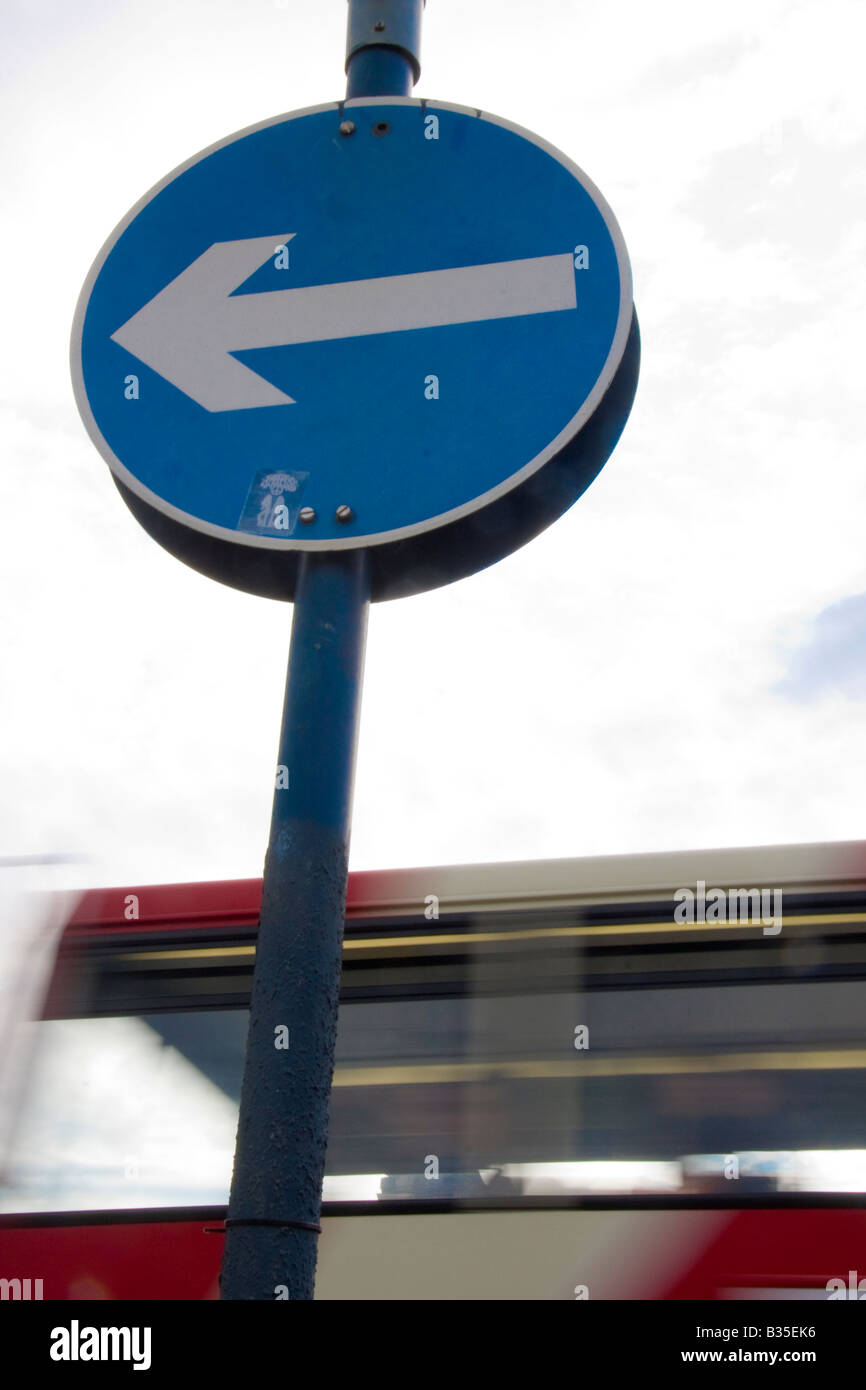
273	503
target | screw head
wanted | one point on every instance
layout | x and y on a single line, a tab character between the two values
347	127
379	26
306	515
344	514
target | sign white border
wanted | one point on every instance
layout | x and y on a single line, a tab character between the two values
376	538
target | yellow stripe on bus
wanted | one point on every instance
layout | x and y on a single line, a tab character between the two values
471	938
437	1073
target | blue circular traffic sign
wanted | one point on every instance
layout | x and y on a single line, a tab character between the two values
391	324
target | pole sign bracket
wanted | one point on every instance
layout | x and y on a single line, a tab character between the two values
386	324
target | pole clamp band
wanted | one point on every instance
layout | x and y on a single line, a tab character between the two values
272	1221
386	24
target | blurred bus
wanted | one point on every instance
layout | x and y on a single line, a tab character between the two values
623	1077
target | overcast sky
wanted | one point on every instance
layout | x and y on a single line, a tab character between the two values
679	662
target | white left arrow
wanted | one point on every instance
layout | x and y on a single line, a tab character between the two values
188	330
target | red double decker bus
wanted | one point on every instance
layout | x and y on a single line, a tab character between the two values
626	1077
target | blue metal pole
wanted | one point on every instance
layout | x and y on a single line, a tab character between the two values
276	1192
382	47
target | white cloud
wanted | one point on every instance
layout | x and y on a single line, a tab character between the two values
609	687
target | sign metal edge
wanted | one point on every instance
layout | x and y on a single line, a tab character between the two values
371	540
